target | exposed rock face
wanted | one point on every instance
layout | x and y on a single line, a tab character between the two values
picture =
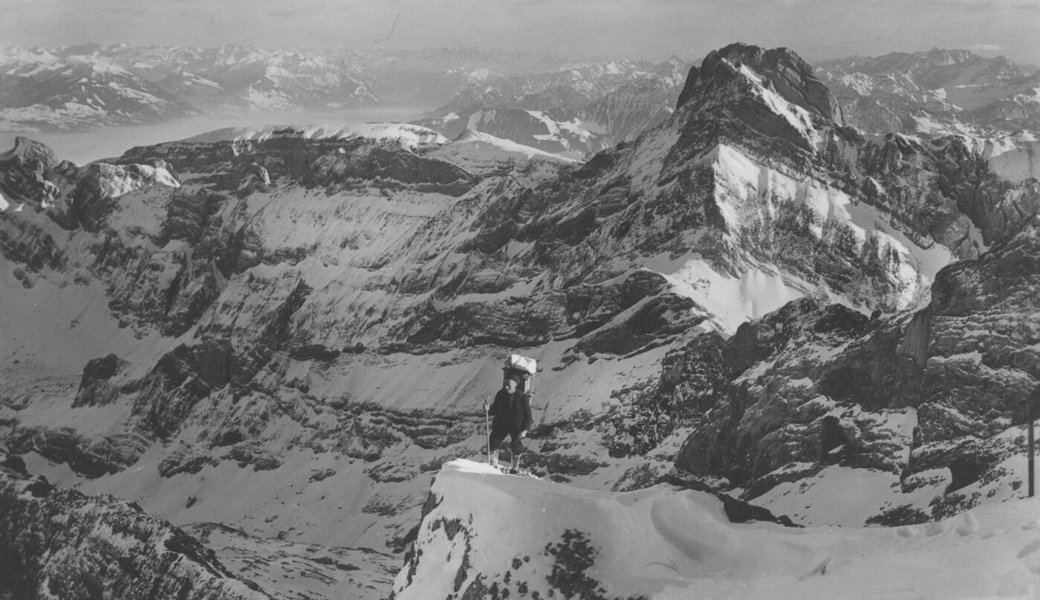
910	395
982	363
101	184
94	386
25	171
785	73
88	456
632	109
59	543
749	420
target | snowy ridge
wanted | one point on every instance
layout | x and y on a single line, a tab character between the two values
667	543
412	137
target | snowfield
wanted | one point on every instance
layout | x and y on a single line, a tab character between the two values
666	543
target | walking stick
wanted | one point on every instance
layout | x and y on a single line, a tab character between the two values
487	430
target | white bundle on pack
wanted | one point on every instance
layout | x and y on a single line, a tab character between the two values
517	362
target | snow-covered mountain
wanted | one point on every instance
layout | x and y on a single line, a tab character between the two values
549	103
937	92
250	78
578	110
42	90
90	86
288	331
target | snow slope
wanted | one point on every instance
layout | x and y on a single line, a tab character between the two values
530	536
748	193
481	153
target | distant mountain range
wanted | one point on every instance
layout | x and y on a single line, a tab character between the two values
934	92
579	110
550	103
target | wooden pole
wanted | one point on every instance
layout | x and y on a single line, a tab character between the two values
1029	418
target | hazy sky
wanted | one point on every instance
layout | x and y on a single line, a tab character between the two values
640	28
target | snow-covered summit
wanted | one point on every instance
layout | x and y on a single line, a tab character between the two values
493	535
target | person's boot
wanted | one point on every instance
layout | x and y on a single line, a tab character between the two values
493	458
514	463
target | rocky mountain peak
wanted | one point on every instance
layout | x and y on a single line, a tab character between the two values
23	171
29	150
779	70
948	57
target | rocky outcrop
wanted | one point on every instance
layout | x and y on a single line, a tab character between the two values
95	195
59	543
983	364
967	195
183	377
89	456
809	384
29	243
755	400
25	172
95	387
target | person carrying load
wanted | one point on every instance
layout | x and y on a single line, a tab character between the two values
511	409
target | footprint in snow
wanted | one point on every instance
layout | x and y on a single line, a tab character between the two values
932	529
970	525
1029	548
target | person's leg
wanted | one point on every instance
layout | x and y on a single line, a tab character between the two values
516	448
497	437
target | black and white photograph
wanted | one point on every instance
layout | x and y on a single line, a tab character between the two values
519	299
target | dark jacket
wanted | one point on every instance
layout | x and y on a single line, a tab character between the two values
512	412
